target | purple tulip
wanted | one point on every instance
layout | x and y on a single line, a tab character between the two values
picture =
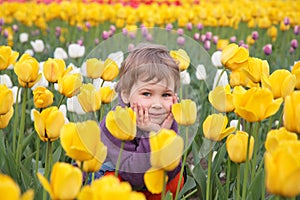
255	35
88	25
197	36
96	41
245	46
215	39
189	26
199	26
202	38
80	42
286	21
294	43
110	33
5	34
124	31
15	28
232	39
169	27
131	35
267	49
241	42
296	30
208	35
2	21
149	37
180	40
207	45
292	50
105	35
130	47
79	28
180	31
144	31
112	28
57	31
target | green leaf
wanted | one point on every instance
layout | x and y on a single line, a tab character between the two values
255	187
200	177
168	196
218	159
220	188
189	184
56	154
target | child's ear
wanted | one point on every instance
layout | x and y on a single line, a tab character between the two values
125	97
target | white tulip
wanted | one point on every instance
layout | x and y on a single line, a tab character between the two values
73	105
30	52
200	72
118	57
216	59
15	90
63	109
234	123
185	77
223	81
60	53
38	45
42	82
76	51
24	37
5	79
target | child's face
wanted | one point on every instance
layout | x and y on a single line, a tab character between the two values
156	97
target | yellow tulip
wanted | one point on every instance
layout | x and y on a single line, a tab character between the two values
221	44
296	72
221	99
65	181
69	84
154	180
111	70
89	98
233	57
10	190
53	69
107	94
236	145
239	78
274	137
121	123
255	104
282	169
281	82
185	112
166	149
272	33
291	110
42	97
256	67
6	99
7	57
94	68
182	58
214	127
81	141
5	118
48	123
27	70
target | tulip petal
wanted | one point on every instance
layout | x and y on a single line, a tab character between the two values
45	184
154	180
39	125
273	108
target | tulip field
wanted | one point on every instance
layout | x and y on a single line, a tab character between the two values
238	110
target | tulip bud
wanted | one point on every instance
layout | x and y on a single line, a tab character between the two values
267	49
185	112
42	97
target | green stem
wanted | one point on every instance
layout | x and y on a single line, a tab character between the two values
101	113
183	161
93	177
238	180
280	119
119	158
95	115
22	129
190	194
47	164
61	100
245	182
16	120
219	78
228	177
263	193
208	196
38	141
164	185
256	145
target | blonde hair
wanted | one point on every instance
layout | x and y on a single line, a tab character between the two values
148	62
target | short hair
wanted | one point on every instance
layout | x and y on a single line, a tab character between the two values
148	62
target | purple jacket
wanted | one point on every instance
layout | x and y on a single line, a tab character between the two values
135	160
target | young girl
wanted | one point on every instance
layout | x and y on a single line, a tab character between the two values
149	79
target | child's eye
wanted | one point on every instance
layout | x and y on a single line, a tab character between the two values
146	94
167	95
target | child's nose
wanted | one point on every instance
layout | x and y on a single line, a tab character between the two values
156	103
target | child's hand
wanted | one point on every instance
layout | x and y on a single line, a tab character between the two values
142	119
